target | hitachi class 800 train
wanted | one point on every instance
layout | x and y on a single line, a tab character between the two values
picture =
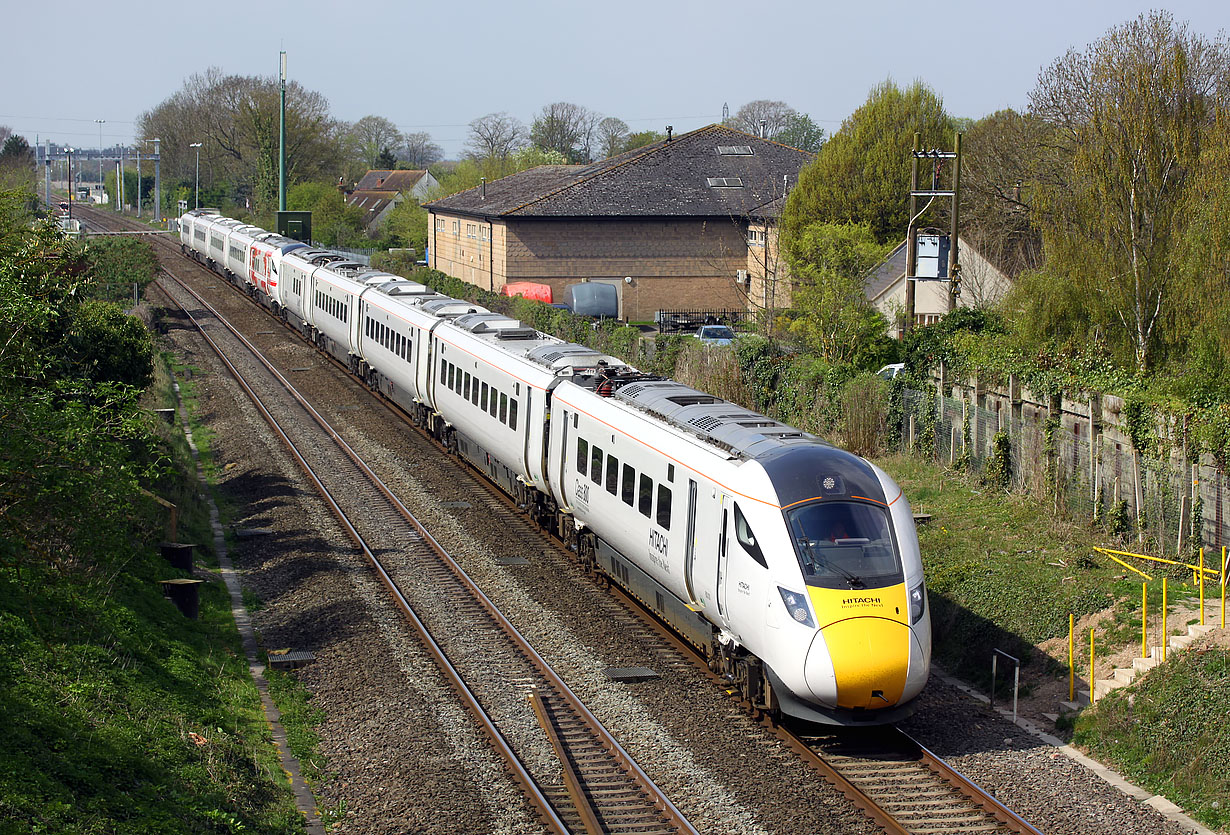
792	564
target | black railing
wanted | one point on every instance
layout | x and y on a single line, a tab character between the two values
674	321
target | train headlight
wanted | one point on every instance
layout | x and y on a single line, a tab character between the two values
918	603
796	606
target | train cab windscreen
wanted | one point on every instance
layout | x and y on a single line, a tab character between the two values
845	545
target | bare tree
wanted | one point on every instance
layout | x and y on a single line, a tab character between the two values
5	133
418	151
495	136
567	128
776	116
371	135
236	120
612	133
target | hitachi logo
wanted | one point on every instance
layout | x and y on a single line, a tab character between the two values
860	601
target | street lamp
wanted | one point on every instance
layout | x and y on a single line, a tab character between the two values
197	145
100	122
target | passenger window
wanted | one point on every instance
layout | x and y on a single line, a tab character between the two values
612	474
646	498
512	414
595	464
466	392
474	392
443	369
495	401
482	404
582	455
743	533
629	485
664	506
503	407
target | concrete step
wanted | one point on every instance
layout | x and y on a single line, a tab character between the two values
1103	686
1197	631
1124	675
1179	642
1140	665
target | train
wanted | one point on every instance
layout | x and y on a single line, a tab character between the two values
792	564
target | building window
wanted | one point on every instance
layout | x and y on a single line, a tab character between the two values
755	237
457	227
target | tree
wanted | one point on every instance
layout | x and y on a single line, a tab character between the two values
386	159
494	137
612	133
640	139
567	128
775	115
835	319
999	169
372	135
16	163
418	151
801	132
333	222
236	120
1129	116
862	174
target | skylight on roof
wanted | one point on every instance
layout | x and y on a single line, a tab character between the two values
735	150
725	182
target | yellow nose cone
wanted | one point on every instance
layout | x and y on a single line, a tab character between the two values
871	656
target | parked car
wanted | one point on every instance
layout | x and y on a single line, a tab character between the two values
715	334
891	370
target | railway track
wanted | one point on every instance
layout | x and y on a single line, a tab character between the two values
896	782
607	791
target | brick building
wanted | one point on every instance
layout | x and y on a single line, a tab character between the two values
667	224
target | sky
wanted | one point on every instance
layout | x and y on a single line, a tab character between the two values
435	67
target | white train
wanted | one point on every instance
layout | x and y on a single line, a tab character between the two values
793	564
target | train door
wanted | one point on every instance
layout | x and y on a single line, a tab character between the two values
707	575
689	546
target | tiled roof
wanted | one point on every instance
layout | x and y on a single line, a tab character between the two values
886	273
372	201
384	179
686	176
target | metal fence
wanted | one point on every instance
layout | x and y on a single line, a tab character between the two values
362	256
1087	473
672	321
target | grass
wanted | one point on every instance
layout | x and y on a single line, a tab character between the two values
1169	732
121	715
1004	572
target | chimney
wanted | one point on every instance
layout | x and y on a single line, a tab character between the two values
669	128
484	188
379	182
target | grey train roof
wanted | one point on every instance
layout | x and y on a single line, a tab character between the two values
742	432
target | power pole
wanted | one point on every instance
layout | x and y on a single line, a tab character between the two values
911	241
157	181
282	136
954	261
953	274
101	122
